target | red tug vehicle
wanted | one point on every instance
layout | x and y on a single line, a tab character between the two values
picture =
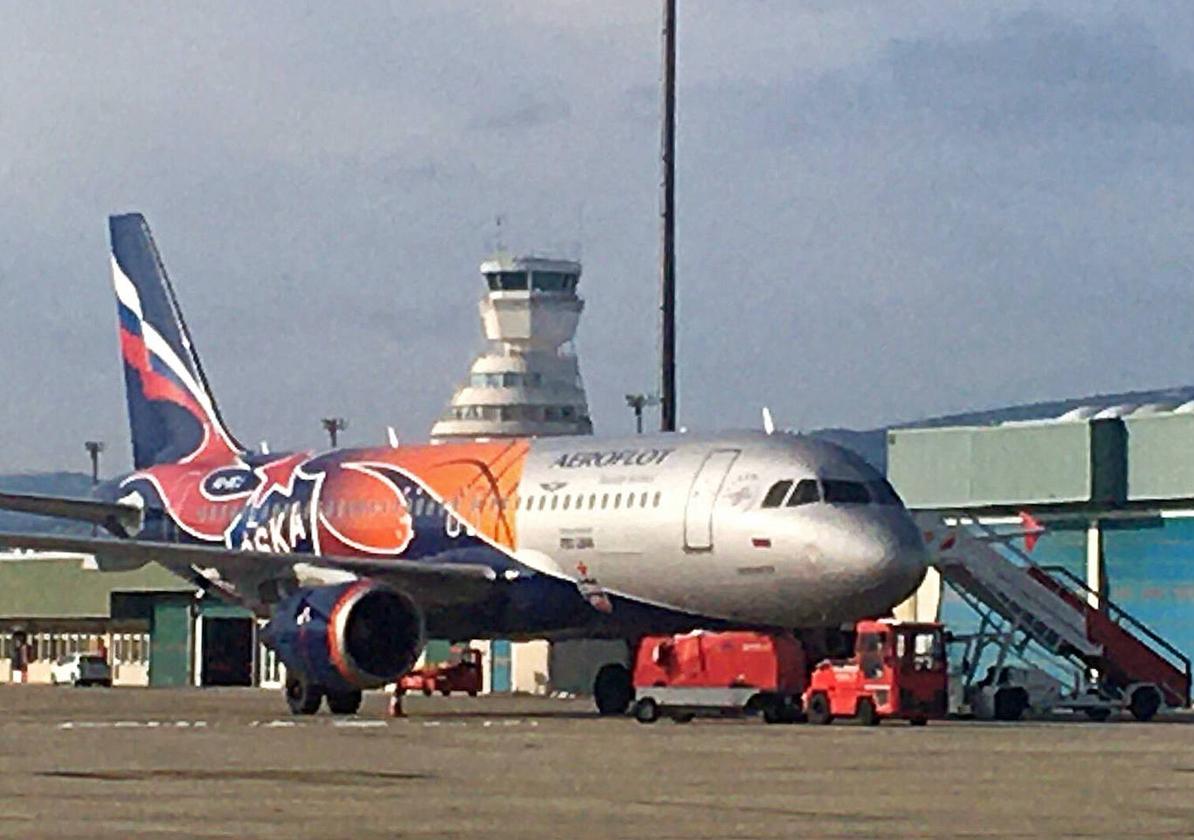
898	671
461	673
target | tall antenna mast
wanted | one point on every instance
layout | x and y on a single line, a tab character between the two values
667	269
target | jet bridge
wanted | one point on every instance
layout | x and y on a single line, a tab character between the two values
1048	618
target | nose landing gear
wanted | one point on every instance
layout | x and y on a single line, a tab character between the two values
613	690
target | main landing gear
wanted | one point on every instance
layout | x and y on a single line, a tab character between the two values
613	690
305	697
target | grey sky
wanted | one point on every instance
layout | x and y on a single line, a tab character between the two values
887	210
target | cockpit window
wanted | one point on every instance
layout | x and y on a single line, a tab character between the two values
882	492
775	496
806	493
845	492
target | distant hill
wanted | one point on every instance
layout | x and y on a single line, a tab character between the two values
73	484
869	443
872	443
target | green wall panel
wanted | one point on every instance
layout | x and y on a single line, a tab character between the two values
170	641
62	588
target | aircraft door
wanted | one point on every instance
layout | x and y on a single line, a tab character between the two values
698	514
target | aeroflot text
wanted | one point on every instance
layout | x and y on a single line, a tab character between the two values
623	457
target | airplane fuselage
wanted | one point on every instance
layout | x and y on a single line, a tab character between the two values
583	535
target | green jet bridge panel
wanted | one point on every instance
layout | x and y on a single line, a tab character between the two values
1090	465
1054	464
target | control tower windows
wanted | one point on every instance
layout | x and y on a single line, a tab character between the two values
507	281
506	379
553	281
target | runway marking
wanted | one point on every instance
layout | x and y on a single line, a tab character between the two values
132	724
335	723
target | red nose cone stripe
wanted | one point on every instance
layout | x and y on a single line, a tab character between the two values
761	542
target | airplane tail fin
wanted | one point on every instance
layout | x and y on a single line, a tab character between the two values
172	413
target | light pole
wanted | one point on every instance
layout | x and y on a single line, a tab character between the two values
637	403
667	212
94	448
333	426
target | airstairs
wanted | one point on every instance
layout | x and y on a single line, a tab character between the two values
1048	618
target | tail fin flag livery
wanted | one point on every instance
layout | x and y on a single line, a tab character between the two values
172	413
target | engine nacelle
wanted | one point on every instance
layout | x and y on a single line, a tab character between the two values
354	635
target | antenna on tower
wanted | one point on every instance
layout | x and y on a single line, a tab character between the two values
499	240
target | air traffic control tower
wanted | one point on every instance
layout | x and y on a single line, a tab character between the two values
527	380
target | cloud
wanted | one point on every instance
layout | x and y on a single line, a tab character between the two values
885	209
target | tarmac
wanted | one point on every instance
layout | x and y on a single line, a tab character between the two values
226	763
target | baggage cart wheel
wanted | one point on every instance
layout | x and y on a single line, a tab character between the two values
646	710
818	710
866	713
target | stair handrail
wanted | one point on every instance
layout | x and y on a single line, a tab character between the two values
1118	614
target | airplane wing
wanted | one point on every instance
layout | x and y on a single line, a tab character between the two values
117	518
430	584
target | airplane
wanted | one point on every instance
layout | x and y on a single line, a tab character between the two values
355	556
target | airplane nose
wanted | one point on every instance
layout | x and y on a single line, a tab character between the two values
889	558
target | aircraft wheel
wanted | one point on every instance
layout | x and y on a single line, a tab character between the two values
1010	703
302	696
867	714
1145	703
344	703
612	689
819	712
646	711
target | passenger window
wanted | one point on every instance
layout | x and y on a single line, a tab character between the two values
567	501
642	500
593	501
845	492
775	496
617	500
542	502
806	493
555	501
658	496
604	500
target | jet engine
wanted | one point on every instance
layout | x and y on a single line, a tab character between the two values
356	635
